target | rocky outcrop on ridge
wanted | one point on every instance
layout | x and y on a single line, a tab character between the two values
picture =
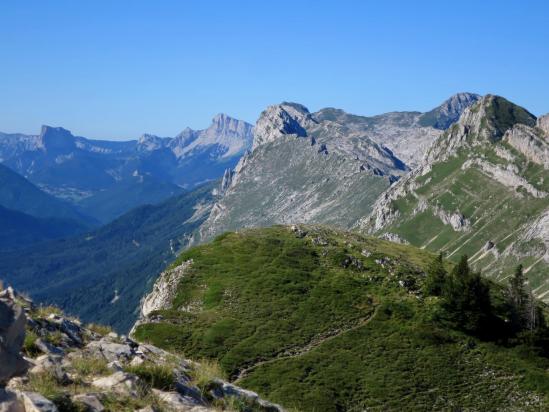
531	144
164	289
90	368
543	123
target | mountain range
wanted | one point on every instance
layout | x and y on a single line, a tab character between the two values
301	263
326	167
411	177
104	179
28	215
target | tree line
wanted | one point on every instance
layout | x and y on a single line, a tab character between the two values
469	303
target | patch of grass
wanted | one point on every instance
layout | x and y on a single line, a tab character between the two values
29	345
45	311
206	371
45	384
88	366
55	338
102	330
157	376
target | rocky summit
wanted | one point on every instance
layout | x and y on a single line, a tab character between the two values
51	362
482	190
324	167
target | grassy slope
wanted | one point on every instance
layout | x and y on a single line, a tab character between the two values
496	213
285	318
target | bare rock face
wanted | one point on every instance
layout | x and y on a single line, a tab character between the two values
9	402
34	402
543	123
527	141
12	336
280	120
164	289
227	180
178	402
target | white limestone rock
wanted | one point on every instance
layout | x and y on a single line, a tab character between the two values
120	383
34	402
164	289
543	123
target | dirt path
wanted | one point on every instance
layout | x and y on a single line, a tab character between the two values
314	343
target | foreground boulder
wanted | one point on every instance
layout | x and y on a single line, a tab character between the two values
12	336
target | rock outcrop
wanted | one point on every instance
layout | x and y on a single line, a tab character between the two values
164	289
543	123
12	335
281	120
528	142
94	369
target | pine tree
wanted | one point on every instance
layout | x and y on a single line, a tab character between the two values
436	277
518	289
532	313
467	298
525	313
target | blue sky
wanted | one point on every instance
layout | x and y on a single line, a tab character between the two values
117	69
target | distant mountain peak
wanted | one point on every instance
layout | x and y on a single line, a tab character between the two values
151	141
221	118
449	111
56	139
297	106
224	123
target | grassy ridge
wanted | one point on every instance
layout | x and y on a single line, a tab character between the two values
330	321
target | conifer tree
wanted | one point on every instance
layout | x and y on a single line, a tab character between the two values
436	277
467	297
519	300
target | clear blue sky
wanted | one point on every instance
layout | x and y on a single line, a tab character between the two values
117	69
